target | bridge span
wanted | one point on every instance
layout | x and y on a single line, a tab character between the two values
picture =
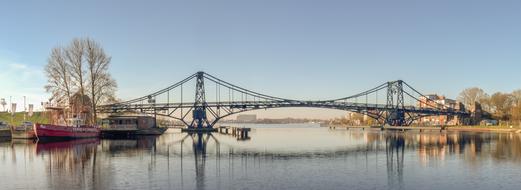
215	99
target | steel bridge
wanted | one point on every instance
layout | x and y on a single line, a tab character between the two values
216	99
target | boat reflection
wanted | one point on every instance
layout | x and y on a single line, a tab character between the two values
130	145
21	150
69	163
67	147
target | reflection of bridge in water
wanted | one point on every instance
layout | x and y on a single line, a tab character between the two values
91	163
393	144
216	99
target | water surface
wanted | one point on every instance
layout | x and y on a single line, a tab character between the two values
275	157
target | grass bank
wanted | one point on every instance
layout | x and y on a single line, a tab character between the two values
38	117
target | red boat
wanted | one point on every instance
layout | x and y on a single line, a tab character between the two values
73	130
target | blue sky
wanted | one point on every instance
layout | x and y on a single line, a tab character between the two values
295	49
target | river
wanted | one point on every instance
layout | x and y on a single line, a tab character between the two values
302	156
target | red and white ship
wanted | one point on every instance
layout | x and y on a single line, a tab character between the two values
73	129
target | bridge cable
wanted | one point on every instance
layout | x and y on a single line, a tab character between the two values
237	88
160	91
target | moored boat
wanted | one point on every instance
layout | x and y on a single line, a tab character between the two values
119	126
130	125
4	130
74	129
24	131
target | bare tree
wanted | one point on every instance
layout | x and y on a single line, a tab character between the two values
59	82
516	94
75	57
472	95
80	68
100	83
105	90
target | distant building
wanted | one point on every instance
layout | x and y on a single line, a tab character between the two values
247	118
435	101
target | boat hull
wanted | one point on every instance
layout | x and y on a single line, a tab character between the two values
22	133
5	133
61	131
131	133
151	131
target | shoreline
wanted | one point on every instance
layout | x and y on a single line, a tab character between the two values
500	129
503	129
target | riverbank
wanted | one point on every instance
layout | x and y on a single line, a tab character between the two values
38	117
479	128
476	128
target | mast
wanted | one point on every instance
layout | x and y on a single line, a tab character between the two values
25	110
11	104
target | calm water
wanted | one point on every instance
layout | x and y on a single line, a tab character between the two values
276	157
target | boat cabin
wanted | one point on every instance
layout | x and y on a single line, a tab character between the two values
128	123
75	122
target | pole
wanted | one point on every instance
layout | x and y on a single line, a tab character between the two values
11	104
25	110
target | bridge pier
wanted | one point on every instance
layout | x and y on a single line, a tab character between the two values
241	133
198	130
223	129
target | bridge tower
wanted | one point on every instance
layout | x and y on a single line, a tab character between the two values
395	104
199	113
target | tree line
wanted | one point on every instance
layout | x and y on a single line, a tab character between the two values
80	69
502	106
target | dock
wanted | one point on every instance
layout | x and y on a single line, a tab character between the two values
240	132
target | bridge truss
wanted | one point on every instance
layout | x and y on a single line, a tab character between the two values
215	99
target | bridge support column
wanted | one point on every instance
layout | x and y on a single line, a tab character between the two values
395	114
200	120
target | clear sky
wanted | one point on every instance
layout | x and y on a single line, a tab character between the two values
295	49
